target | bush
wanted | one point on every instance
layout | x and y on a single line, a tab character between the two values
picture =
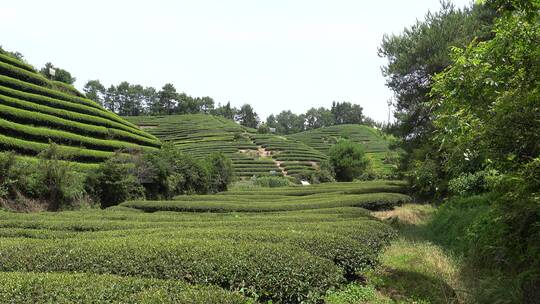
7	161
271	181
61	184
114	181
189	175
263	129
469	183
424	179
221	171
348	160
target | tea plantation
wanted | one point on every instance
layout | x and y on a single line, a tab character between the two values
256	154
35	111
288	245
376	144
251	153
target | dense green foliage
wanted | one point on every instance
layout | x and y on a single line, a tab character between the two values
128	99
421	51
340	113
348	160
53	183
58	74
480	135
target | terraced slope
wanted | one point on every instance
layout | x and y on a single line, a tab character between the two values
376	145
251	153
373	195
35	111
294	256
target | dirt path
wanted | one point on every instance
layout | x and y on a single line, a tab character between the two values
262	152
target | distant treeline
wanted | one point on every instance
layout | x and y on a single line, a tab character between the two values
128	99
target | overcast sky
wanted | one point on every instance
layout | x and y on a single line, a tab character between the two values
274	54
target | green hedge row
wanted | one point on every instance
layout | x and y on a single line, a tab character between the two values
36	89
355	250
342	188
15	62
279	273
46	120
66	88
70	115
22	74
34	148
372	201
66	105
63	288
45	135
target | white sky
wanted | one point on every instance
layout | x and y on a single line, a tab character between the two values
274	54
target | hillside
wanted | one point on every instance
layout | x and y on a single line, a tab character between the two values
251	153
376	145
35	111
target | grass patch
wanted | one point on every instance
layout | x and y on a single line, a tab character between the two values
413	269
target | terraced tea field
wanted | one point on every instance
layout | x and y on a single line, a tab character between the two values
288	245
251	153
263	154
35	111
375	144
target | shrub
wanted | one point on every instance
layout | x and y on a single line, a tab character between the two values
424	178
189	175
221	171
263	129
7	161
469	183
348	160
114	181
271	181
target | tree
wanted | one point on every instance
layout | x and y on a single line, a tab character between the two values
129	98
205	105
486	123
247	117
225	111
110	101
59	74
167	100
289	123
347	113
16	55
221	171
114	181
420	52
95	91
149	98
348	160
271	121
318	118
